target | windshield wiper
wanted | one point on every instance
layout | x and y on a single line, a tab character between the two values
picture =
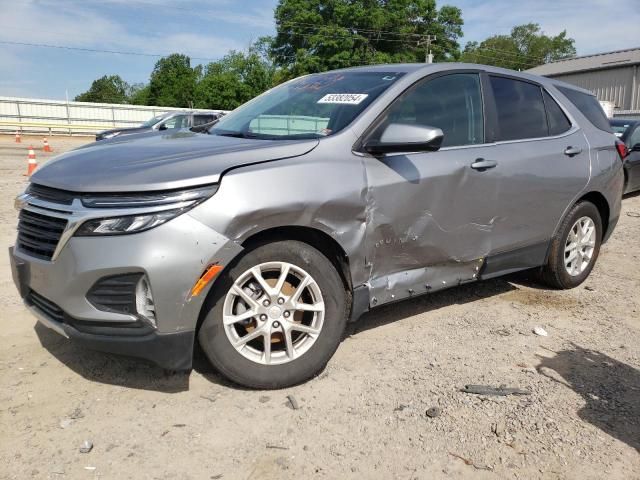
234	134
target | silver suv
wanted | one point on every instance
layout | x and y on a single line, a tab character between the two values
311	204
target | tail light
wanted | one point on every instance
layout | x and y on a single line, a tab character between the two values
622	149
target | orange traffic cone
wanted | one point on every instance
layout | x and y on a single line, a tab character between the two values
46	147
18	140
32	164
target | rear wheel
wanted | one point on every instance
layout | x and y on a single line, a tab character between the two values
574	248
276	317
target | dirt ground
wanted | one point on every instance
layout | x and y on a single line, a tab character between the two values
365	416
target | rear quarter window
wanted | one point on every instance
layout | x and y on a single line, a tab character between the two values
558	121
589	107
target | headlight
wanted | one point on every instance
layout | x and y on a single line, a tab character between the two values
153	199
126	224
165	205
111	135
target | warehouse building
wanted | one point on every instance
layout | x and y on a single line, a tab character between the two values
614	77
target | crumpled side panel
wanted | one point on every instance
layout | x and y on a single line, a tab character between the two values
401	285
430	222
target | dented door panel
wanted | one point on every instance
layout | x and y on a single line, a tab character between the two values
430	220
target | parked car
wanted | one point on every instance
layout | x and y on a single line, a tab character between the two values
170	132
323	198
629	132
196	121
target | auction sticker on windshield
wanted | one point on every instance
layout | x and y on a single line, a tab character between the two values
344	98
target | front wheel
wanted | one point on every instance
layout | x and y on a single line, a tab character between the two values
574	248
275	317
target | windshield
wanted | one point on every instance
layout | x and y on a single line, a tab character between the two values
620	129
152	121
308	107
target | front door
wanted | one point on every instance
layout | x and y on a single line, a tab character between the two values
431	215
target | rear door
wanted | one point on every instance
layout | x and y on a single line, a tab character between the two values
430	215
543	161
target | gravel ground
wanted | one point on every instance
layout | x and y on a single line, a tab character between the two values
365	415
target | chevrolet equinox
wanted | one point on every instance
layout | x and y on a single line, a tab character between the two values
316	201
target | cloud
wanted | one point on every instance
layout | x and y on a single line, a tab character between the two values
226	11
595	25
83	27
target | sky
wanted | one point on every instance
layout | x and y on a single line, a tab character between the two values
207	29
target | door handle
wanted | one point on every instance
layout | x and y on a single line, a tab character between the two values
572	151
482	164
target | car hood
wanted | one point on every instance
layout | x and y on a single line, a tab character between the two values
132	135
125	130
164	162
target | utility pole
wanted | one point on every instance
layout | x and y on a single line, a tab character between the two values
428	57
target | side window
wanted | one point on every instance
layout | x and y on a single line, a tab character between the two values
634	139
589	107
452	103
201	119
558	121
520	109
179	121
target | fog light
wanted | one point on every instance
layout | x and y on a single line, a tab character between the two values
144	301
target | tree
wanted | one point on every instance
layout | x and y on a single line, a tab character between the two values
526	47
234	79
319	35
173	82
107	89
139	94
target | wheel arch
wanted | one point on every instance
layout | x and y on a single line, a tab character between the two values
321	241
601	203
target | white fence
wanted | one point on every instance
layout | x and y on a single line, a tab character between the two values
31	115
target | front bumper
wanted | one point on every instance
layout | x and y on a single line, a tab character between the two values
171	351
173	256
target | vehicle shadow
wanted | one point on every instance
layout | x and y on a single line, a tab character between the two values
110	369
631	195
138	374
610	389
426	303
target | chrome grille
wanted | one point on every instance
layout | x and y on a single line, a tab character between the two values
38	235
52	195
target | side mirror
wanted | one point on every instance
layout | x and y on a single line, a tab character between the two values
635	148
399	138
163	126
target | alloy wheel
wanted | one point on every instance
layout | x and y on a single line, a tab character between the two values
580	246
273	313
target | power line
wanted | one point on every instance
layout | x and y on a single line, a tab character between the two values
305	25
354	35
513	54
157	55
97	50
364	30
357	30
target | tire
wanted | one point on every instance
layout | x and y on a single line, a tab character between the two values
316	350
555	273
